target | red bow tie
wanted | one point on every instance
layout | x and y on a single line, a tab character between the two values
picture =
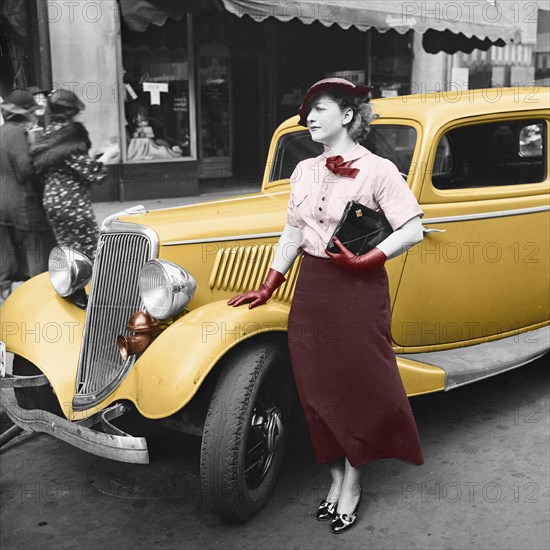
338	166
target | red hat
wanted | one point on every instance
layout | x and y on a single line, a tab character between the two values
334	83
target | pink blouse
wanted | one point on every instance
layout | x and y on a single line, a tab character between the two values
318	196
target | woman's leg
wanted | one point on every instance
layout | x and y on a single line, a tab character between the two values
337	469
351	486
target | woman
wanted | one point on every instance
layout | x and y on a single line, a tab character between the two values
61	158
26	237
339	325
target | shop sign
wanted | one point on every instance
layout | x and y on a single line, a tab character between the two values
180	104
357	77
155	89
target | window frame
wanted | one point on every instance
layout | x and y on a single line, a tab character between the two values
431	194
382	121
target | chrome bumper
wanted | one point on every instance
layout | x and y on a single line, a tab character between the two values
111	443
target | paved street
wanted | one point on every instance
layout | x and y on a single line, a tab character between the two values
484	485
209	192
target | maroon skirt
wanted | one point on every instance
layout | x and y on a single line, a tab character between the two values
345	368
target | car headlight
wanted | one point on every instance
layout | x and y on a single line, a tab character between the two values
69	269
165	288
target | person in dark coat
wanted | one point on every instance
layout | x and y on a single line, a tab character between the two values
26	236
61	159
339	340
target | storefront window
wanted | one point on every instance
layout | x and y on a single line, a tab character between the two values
215	110
157	84
391	63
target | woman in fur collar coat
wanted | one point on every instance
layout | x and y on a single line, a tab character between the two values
61	158
25	235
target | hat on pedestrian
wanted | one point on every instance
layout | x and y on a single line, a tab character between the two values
19	102
330	84
34	90
64	102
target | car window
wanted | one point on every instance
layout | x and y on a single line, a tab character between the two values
508	152
392	141
530	141
291	149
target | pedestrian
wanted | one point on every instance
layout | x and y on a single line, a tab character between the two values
26	236
344	366
61	157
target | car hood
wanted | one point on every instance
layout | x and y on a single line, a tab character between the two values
251	214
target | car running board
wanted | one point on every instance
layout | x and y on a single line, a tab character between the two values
471	363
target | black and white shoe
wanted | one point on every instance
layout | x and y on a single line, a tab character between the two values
344	522
326	510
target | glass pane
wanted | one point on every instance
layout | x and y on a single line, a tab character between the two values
507	152
214	101
156	78
443	164
291	149
394	142
530	141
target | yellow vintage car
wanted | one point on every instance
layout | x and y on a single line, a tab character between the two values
149	328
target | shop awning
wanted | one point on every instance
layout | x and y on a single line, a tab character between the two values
446	25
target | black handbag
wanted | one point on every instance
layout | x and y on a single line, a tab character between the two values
360	229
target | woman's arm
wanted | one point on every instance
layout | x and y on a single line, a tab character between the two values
287	248
400	240
409	234
87	168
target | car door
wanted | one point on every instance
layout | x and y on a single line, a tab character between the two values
482	269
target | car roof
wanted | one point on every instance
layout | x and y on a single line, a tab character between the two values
442	107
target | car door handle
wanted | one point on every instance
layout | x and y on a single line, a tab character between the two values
427	230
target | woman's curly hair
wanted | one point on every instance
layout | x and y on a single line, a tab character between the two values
363	114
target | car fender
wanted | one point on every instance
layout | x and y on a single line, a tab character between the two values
39	325
172	368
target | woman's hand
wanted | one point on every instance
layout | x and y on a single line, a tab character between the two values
110	155
259	297
256	297
346	258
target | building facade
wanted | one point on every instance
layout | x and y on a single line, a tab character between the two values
193	94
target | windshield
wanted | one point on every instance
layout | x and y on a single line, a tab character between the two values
392	141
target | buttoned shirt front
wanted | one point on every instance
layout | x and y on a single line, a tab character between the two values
318	197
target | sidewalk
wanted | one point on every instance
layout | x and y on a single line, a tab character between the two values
211	193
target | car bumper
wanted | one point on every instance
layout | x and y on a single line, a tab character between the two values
110	443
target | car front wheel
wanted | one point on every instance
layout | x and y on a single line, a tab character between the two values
246	429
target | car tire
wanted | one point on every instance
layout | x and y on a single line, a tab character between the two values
39	397
248	419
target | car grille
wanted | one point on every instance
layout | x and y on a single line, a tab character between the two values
114	296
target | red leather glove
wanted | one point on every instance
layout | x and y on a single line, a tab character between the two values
259	297
346	258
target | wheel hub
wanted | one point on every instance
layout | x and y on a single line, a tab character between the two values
274	430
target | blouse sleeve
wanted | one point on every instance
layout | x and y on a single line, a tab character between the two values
88	168
394	196
291	218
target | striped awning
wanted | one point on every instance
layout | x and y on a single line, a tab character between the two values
446	25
